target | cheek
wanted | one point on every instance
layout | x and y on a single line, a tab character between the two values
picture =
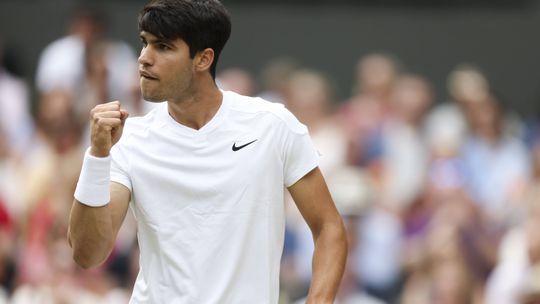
182	74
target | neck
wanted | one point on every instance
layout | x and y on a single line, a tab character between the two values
196	109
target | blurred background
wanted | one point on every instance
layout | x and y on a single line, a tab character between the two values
426	114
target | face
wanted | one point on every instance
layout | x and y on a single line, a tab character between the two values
412	98
165	69
376	73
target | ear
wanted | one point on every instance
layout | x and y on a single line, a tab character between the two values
203	60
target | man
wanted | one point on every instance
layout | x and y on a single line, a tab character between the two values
204	172
88	65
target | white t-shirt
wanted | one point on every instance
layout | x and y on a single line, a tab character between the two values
209	202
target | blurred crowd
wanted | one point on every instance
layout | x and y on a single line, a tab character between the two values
441	198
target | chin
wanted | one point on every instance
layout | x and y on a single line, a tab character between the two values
152	98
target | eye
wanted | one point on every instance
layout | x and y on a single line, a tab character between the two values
163	47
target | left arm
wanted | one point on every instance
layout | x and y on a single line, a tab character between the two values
313	199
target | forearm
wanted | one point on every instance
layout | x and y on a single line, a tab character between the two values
329	260
99	206
90	234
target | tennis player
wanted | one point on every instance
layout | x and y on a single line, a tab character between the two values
204	174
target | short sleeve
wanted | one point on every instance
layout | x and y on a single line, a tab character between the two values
120	164
299	154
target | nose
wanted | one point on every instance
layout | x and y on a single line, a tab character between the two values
145	58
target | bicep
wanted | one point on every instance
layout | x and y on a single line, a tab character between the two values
314	201
118	206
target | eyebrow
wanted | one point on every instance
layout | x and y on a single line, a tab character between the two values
156	40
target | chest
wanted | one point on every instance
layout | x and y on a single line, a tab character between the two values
216	174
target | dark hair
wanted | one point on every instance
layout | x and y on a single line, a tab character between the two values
200	23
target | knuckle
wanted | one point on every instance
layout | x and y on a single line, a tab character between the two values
93	113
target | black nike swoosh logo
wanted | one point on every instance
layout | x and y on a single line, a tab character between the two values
235	148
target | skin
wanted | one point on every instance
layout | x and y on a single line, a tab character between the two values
168	73
313	199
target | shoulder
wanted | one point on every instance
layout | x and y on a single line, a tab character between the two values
257	107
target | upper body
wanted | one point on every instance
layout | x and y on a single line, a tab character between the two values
495	161
205	173
88	66
62	66
209	202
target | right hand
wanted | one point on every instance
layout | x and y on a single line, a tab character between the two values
106	125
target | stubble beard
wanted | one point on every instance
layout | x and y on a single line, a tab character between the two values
172	90
151	95
152	98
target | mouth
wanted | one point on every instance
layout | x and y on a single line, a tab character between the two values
146	75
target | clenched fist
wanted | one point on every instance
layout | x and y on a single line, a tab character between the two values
106	125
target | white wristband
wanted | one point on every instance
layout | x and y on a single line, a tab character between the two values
93	187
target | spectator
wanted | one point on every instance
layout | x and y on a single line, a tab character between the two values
401	170
404	151
275	77
513	280
454	257
15	119
369	107
496	163
90	67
